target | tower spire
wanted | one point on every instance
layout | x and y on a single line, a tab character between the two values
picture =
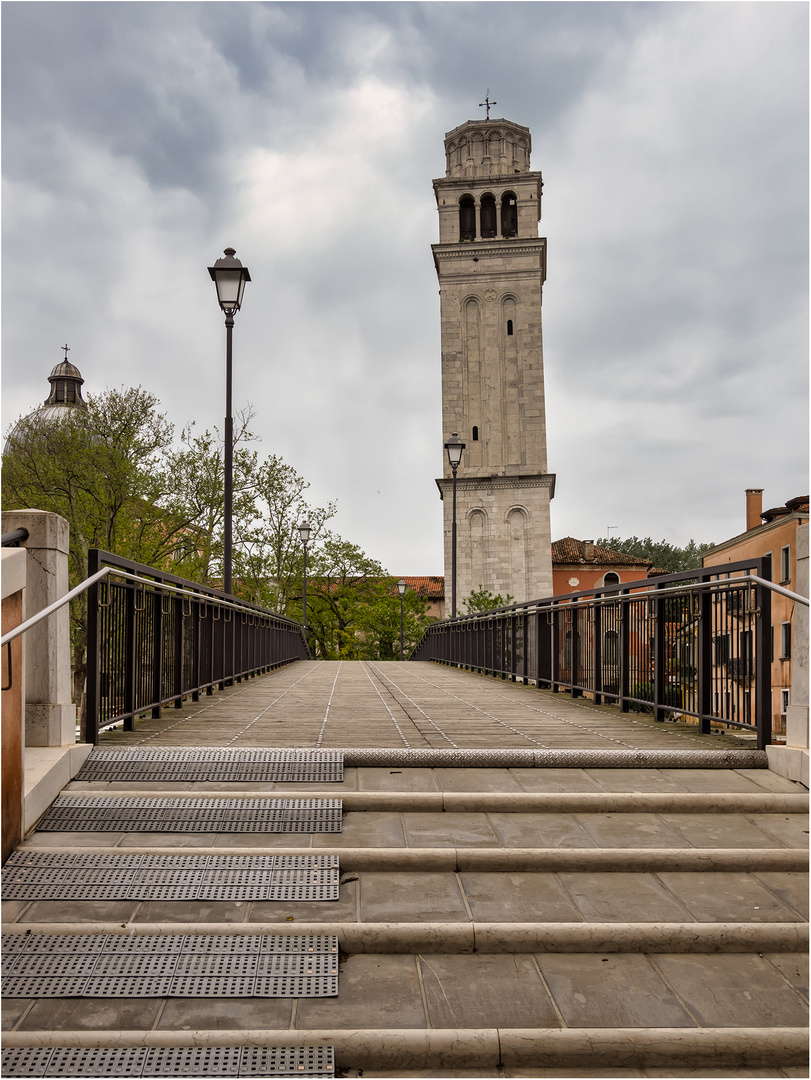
487	103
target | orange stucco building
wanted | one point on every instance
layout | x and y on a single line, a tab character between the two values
580	564
771	533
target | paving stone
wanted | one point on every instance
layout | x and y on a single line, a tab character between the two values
720	831
92	1014
623	897
200	1014
202	911
11	910
556	780
792	888
286	911
787	829
380	986
449	829
485	991
733	990
636	780
517	897
772	781
12	1011
727	897
713	780
405	779
540	830
411	897
79	911
370	828
612	991
477	780
629	830
793	967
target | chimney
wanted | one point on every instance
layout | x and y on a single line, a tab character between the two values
754	507
588	551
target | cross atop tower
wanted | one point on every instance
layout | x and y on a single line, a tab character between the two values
487	103
67	350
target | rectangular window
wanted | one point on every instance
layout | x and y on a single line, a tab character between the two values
784	701
768	569
785	641
721	643
785	565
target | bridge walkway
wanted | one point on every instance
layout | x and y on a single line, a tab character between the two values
405	705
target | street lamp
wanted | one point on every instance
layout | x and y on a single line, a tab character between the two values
454	446
304	531
401	588
229	275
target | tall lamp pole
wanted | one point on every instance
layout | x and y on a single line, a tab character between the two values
454	446
401	588
304	531
229	275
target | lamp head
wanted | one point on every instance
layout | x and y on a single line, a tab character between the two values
229	275
401	587
304	531
454	446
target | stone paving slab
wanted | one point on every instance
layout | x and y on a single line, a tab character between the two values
433	706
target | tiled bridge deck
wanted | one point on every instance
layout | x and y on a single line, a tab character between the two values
407	705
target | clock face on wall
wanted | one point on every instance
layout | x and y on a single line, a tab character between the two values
574	582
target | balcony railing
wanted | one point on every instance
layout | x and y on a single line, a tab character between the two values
694	644
153	639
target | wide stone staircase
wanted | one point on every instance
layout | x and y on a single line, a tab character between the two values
479	913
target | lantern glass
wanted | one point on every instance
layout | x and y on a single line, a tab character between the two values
229	275
304	531
401	587
454	446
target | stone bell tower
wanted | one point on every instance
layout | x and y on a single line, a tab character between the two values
491	265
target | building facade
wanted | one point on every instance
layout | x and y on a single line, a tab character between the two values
491	266
773	534
580	564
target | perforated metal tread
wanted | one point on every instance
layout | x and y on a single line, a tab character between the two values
312	1062
224	764
174	965
136	814
34	875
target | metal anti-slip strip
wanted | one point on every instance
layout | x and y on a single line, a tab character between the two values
135	814
34	876
311	1062
194	965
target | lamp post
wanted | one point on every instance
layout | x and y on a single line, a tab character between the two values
401	588
304	531
229	275
454	447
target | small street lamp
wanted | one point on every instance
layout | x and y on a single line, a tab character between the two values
454	446
304	531
229	275
401	588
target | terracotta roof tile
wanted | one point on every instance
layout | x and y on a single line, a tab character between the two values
568	550
429	588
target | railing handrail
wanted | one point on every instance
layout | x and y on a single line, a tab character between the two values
620	592
12	539
107	570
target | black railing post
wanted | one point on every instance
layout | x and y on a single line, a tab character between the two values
597	651
157	654
90	726
762	659
130	653
178	656
625	651
704	661
659	665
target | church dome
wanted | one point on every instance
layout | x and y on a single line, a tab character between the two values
66	394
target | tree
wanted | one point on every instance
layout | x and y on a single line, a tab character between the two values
483	600
101	468
661	554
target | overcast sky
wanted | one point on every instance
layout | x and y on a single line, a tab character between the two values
140	139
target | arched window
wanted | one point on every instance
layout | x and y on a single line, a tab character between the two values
488	212
467	218
509	214
475	433
509	328
611	578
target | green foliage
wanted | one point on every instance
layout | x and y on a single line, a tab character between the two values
483	600
354	608
644	690
663	555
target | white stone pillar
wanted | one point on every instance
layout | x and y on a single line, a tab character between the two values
50	715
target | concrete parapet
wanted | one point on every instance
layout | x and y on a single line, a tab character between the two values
13	683
50	716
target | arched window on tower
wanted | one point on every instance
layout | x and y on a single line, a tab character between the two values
475	433
509	214
467	218
509	328
488	212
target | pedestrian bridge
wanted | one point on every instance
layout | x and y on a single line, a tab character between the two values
408	706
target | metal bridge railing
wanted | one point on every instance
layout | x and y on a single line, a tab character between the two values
697	643
153	639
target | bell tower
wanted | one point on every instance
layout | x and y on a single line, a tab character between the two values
491	266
